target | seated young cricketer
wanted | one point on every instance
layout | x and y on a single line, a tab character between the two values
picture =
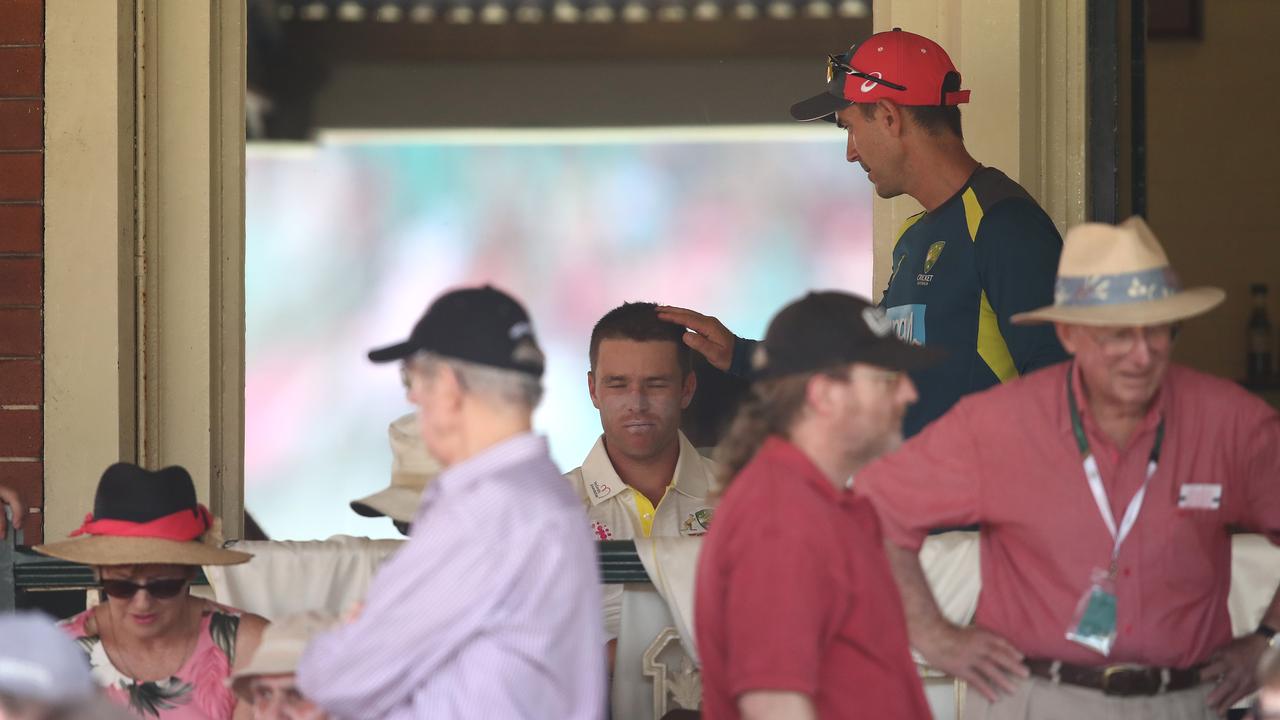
796	610
643	478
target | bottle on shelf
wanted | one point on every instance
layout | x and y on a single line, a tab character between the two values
1259	368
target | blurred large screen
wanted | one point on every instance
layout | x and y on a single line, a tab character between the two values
349	239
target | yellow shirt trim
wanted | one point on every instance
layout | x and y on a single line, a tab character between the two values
645	509
906	225
992	348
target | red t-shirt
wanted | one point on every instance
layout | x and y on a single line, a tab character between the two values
795	594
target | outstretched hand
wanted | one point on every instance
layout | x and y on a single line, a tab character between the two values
707	335
9	496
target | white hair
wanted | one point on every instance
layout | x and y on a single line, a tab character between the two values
505	387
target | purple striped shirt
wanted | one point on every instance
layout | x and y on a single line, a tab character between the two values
490	610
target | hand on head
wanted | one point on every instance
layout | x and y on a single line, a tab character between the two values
707	335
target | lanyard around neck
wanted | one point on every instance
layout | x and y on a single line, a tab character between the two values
1094	477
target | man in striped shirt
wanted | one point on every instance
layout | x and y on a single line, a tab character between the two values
480	615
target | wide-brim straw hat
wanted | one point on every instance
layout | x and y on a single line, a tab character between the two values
283	643
1119	275
412	469
141	517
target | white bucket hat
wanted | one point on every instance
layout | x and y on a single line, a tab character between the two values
1119	275
283	643
412	468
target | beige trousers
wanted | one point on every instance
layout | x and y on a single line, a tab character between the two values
1038	699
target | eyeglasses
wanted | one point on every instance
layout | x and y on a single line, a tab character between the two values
158	589
837	62
1121	342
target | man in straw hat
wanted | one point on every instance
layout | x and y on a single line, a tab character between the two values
412	467
796	612
1107	489
153	646
481	612
267	684
981	251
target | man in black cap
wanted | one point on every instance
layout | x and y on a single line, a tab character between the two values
481	612
981	251
797	613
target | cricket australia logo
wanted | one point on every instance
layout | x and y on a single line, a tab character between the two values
697	523
930	258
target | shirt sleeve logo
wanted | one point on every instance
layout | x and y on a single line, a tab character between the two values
601	530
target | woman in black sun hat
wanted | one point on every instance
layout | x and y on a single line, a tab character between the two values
153	646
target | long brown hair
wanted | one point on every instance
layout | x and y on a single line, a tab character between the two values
771	409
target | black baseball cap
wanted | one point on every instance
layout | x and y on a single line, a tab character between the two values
481	325
829	329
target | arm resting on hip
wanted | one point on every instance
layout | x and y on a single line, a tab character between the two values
981	658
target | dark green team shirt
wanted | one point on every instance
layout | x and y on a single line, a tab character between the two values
959	273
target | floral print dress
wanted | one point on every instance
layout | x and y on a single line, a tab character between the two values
198	690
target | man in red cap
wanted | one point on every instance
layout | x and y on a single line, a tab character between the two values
981	251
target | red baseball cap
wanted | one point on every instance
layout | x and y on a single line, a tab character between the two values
904	67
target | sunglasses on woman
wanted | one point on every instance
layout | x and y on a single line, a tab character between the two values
158	589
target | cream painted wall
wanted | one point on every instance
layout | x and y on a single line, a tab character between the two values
88	303
1024	60
144	235
1213	108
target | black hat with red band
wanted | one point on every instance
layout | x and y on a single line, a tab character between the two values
145	517
904	67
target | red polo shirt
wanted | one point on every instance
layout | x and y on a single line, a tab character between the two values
1007	458
794	594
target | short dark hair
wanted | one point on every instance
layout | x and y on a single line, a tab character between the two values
933	119
639	321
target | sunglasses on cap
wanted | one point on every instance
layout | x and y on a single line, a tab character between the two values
841	63
159	589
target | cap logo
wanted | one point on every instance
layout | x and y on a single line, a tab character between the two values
519	330
527	353
759	358
870	85
877	321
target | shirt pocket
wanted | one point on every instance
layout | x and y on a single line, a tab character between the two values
1196	545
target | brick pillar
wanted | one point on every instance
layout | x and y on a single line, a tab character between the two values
22	254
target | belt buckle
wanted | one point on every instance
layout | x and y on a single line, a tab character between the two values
1109	672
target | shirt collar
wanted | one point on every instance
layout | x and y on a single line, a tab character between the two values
782	452
517	449
602	480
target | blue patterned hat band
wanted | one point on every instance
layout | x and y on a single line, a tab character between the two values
1116	289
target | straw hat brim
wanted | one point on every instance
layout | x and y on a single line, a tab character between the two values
1180	306
115	550
396	502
